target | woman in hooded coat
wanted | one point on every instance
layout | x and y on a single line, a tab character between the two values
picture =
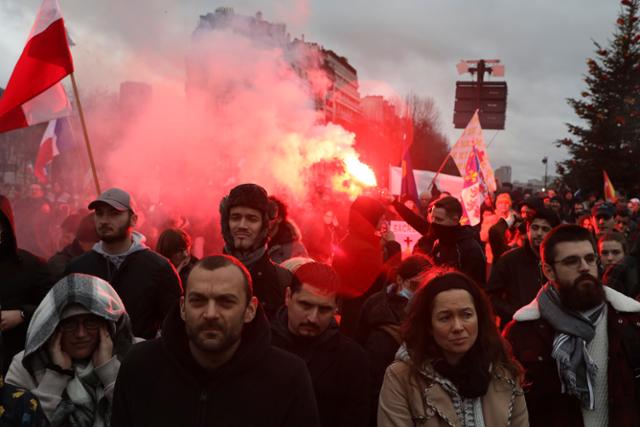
75	341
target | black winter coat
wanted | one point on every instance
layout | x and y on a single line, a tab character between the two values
59	262
515	280
269	283
379	334
24	281
338	368
160	384
459	247
147	283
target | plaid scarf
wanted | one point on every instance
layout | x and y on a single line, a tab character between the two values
574	330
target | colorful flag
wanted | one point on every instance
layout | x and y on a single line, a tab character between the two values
474	190
34	94
57	138
472	138
408	188
609	191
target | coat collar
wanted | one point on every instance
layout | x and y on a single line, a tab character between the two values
618	301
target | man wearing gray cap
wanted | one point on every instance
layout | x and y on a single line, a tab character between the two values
147	283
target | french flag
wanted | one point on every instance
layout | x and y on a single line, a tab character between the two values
57	138
34	93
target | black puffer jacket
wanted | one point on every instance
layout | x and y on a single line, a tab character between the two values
338	368
24	281
160	384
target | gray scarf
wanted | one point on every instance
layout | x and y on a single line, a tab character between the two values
574	330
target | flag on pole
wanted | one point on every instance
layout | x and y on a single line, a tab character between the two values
472	138
609	191
474	190
34	93
408	188
57	139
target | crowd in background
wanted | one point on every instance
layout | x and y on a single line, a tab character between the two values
438	337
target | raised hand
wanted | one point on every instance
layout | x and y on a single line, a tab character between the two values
104	350
58	356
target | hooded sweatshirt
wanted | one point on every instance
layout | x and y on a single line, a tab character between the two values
339	371
161	384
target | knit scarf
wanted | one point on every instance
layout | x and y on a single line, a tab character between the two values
574	330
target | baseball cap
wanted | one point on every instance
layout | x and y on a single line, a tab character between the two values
116	198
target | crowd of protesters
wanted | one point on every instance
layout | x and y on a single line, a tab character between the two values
130	314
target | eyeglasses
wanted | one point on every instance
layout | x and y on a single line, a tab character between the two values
71	325
574	261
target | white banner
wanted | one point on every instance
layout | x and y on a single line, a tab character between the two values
405	235
449	183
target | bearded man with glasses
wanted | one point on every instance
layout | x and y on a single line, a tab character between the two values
579	341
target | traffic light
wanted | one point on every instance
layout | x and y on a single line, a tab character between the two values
490	98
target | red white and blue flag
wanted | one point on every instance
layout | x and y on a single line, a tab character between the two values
474	190
34	93
57	139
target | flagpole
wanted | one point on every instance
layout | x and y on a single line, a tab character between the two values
444	162
86	134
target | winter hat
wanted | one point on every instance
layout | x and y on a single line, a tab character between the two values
252	196
368	209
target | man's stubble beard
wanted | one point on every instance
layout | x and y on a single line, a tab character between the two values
229	338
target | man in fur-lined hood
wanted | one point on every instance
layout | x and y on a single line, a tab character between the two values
245	215
578	340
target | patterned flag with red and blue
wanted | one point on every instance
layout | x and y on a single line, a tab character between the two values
474	190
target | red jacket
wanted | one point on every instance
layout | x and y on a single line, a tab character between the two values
532	338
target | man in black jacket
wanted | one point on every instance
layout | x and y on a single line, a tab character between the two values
24	281
517	276
338	366
147	283
455	245
245	215
213	365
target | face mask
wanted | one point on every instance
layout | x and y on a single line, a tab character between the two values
406	293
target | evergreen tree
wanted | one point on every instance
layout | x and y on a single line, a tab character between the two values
609	139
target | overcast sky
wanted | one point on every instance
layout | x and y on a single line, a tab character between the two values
399	46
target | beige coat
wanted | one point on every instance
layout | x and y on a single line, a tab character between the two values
403	404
